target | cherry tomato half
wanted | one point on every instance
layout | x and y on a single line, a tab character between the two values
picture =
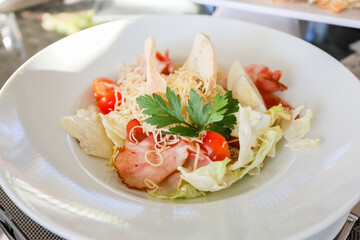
137	133
107	103
216	146
103	87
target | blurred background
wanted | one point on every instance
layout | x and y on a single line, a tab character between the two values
27	26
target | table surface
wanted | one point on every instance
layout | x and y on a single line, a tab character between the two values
35	38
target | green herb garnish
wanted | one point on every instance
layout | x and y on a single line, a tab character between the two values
218	117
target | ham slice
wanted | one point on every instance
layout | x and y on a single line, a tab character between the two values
264	79
133	168
202	161
171	182
267	82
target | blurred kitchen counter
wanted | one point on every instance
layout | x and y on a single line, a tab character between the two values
33	36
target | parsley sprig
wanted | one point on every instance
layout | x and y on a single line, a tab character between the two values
218	117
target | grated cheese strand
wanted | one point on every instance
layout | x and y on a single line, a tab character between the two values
161	161
196	156
132	139
179	184
151	185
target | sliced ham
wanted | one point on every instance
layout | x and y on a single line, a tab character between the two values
133	168
264	79
202	161
171	182
267	82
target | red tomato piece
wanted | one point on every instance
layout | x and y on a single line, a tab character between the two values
163	63
103	87
107	103
216	146
137	133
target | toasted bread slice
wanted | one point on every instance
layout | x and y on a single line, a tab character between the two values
155	82
202	61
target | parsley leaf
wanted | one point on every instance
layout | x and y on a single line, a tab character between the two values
183	131
218	117
161	114
218	110
229	119
215	127
198	113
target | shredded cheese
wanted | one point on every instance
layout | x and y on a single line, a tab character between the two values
179	184
151	185
181	82
233	141
159	163
196	156
132	139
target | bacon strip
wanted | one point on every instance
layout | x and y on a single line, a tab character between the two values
267	82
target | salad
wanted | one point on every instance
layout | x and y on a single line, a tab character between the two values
184	131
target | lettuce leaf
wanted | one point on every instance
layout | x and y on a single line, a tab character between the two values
303	143
256	145
278	113
208	178
185	191
86	126
258	120
279	135
115	131
216	175
247	138
269	141
296	129
250	125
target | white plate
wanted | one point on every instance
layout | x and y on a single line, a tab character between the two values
296	195
292	9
